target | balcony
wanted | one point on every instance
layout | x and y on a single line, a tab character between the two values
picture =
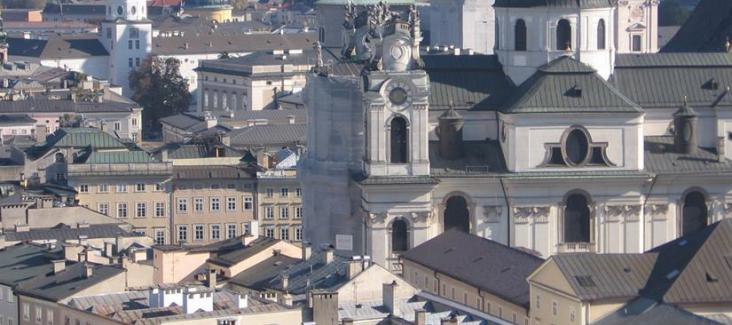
576	248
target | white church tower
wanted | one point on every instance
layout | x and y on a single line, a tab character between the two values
126	34
466	24
531	33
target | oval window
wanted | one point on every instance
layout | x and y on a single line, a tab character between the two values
133	10
120	10
576	147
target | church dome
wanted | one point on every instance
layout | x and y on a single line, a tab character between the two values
585	4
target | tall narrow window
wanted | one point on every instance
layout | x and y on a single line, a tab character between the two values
694	213
399	236
398	141
601	35
577	219
520	35
636	43
564	35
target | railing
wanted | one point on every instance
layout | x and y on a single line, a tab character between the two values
576	247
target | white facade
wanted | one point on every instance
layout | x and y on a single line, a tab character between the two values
637	26
467	24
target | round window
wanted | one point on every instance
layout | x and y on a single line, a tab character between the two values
133	10
398	96
576	147
120	10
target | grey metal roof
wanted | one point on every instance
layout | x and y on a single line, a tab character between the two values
197	150
605	276
313	274
585	4
62	233
76	9
707	29
58	46
649	312
242	253
55	287
660	157
43	105
211	172
182	121
479	157
466	82
196	43
663	80
242	66
16	119
566	85
23	262
276	134
258	277
493	267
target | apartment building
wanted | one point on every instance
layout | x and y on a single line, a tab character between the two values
279	198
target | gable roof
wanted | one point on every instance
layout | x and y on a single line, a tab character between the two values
229	255
196	43
649	312
268	134
72	279
84	137
566	85
486	264
58	47
706	30
63	232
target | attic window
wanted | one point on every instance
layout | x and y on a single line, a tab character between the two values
711	278
585	281
712	84
575	91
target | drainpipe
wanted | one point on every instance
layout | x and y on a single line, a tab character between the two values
508	213
643	208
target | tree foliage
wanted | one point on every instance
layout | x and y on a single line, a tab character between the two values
159	88
672	13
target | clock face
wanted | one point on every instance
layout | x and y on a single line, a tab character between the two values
397	52
399	94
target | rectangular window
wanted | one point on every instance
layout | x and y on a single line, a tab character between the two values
134	121
284	192
269	213
121	188
198	232
298	192
39	315
284	213
49	317
198	204
182	233
285	233
137	47
298	233
215	232
637	40
26	311
134	33
141	210
159	236
109	33
182	205
159	187
270	192
298	212
215	204
230	231
159	209
129	46
269	232
137	61
248	202
140	187
231	204
102	188
246	229
103	208
121	210
129	62
83	188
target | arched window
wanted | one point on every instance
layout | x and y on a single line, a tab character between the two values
694	214
564	35
398	140
601	35
520	35
457	215
577	219
399	236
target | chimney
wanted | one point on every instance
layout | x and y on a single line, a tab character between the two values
389	295
306	251
420	317
450	133
328	255
451	320
89	270
82	240
242	301
291	119
285	281
212	279
81	257
286	299
355	266
254	228
58	266
685	138
247	240
721	154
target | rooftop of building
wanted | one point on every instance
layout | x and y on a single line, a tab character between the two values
23	262
72	280
62	233
268	135
477	261
246	65
706	30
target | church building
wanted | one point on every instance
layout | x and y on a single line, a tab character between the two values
556	144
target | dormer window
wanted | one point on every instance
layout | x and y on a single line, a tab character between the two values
576	149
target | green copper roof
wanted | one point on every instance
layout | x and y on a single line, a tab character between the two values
84	137
119	157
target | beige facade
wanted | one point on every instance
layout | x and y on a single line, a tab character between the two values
140	200
172	265
450	288
279	204
211	209
281	247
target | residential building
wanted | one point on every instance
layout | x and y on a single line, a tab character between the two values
473	271
407	145
212	203
252	82
184	127
279	198
689	273
37	260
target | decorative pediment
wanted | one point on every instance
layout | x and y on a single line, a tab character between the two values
535	213
637	27
657	211
421	217
377	218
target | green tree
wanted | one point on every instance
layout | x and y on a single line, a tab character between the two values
160	89
672	13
